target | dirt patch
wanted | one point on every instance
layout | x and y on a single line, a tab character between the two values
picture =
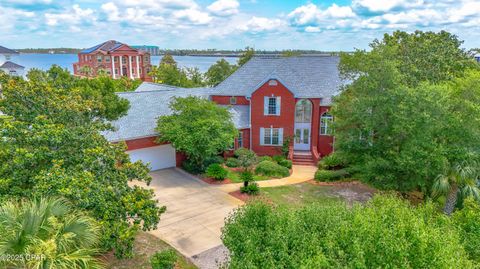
212	181
243	196
350	191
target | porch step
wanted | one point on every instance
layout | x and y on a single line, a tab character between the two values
303	158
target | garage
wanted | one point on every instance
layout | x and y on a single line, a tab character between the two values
158	157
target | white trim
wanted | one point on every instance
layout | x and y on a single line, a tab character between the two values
113	66
138	67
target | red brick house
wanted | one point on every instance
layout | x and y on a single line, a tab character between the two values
270	99
115	59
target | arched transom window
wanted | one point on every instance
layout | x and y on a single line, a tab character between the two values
303	111
326	124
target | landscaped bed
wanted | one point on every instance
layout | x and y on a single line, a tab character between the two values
145	246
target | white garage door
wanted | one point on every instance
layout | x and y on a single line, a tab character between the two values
158	157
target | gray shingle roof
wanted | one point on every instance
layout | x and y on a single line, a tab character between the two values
11	65
305	76
147	105
4	50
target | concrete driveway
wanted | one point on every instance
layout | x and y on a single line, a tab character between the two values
195	212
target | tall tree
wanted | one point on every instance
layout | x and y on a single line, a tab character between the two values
218	72
402	118
247	54
52	144
198	127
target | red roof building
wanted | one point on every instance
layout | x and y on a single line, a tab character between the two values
115	59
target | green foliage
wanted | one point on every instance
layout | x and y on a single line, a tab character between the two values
467	222
213	159
48	229
170	74
278	158
216	171
409	110
165	259
251	189
218	72
246	158
285	163
332	161
241	151
192	167
52	145
271	169
385	233
265	158
197	127
247	54
232	162
286	145
246	176
331	175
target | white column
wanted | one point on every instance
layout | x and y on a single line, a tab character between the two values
121	65
138	66
130	66
112	58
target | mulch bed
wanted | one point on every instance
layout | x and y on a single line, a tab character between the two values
242	196
216	182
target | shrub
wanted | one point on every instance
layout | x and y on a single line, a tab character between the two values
264	158
285	163
241	151
467	222
232	162
330	175
251	189
271	169
165	259
387	232
331	161
278	158
212	160
191	167
216	171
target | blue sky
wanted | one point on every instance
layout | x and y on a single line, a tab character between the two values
230	24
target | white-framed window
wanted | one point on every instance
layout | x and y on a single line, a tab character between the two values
99	58
240	139
233	100
326	124
271	136
272	105
107	59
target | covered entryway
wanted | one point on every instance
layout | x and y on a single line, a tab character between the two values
158	157
303	119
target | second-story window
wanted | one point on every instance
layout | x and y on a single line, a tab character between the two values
272	106
107	59
99	58
124	59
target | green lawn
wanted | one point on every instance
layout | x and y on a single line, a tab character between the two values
235	177
144	247
299	194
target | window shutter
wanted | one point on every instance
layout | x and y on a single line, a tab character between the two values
279	102
280	136
265	105
262	136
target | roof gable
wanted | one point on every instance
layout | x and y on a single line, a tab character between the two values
4	50
304	76
106	47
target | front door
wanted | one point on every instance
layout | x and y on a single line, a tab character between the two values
302	137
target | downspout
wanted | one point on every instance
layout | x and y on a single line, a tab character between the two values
250	120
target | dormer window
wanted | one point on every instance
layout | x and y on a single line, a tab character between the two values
272	106
272	82
233	100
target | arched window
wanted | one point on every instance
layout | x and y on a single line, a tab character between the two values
303	111
326	124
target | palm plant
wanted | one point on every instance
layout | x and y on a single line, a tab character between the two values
458	182
47	234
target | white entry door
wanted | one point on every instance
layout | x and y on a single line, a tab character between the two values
302	136
158	157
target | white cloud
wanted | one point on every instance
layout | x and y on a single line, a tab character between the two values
193	15
313	29
224	7
260	24
379	6
111	11
335	11
73	16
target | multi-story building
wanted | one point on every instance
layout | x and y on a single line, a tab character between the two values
270	99
114	59
153	50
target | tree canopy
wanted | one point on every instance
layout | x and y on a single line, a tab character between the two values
168	72
387	232
197	127
52	145
409	110
218	72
